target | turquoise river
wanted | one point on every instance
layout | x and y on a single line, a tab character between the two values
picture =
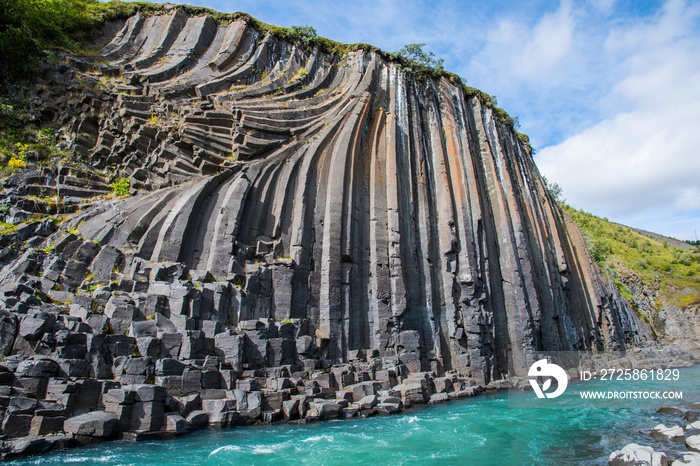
483	430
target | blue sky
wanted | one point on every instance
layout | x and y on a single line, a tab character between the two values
608	91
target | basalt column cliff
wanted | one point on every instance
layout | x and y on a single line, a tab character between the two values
337	199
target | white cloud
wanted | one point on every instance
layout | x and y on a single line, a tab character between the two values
532	53
549	44
642	164
604	6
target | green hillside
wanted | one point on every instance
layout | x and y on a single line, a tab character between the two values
641	266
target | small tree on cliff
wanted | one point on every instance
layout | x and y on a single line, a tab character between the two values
554	189
415	59
304	36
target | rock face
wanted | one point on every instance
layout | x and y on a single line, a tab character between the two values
673	324
370	209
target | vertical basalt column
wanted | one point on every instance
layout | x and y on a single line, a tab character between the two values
515	310
331	306
379	297
461	173
393	222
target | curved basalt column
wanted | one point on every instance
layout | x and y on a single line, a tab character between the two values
382	211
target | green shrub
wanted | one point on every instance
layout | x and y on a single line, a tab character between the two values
525	139
7	228
304	36
121	187
30	28
624	290
600	249
423	64
554	189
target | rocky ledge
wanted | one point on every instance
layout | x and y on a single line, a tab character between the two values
152	381
87	383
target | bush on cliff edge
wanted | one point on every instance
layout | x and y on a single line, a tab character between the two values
29	29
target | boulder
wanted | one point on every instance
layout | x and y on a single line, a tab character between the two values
362	389
693	443
254	400
74	367
21	405
210	328
198	419
438	398
668	434
368	402
637	455
269	417
305	345
143	328
104	263
688	459
188	404
194	345
171	344
163	323
17	425
147	416
8	330
443	385
99	323
280	351
211	379
218	406
191	381
390	404
230	348
412	392
32	327
174	422
673	410
272	401
95	424
118	396
290	409
148	392
46	425
149	346
241	397
169	366
121	312
248	385
323	410
326	380
31	445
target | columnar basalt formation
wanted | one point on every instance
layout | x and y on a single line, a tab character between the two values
375	210
295	209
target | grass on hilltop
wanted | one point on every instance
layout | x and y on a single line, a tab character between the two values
619	250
